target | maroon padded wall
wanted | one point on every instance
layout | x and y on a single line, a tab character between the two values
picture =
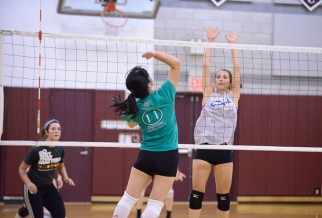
279	121
20	125
111	166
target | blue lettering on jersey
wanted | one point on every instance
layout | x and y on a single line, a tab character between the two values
220	102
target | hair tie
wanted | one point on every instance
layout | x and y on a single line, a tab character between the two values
47	124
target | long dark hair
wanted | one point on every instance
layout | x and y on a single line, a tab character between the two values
137	83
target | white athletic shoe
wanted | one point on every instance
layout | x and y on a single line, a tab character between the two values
17	216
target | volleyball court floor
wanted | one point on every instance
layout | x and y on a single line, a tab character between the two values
180	210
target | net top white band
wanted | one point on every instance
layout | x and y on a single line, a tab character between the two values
181	146
167	42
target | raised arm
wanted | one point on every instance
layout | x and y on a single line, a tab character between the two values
207	85
171	61
235	89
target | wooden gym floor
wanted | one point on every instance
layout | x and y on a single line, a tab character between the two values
180	210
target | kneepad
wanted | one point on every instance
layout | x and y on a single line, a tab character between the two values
223	202
47	214
195	200
23	211
127	201
153	208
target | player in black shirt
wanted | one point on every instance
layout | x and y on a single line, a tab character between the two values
43	163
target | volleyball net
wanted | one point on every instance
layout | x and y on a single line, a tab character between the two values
73	78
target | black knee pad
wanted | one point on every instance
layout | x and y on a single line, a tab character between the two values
195	200
23	211
223	202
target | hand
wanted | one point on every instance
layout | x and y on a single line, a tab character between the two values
59	182
212	33
69	181
180	176
149	54
232	37
32	188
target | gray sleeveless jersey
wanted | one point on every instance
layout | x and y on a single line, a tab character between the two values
217	121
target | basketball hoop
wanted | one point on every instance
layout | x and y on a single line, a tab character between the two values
111	16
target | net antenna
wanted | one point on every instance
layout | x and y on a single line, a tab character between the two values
112	16
39	63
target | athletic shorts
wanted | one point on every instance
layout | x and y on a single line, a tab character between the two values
214	157
163	163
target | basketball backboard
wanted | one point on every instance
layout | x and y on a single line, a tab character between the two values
133	8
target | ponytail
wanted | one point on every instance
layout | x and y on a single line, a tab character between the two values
137	83
43	135
127	107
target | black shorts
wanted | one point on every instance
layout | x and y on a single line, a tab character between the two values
163	163
214	157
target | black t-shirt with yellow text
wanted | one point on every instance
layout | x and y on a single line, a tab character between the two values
44	161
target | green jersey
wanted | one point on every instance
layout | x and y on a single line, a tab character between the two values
157	119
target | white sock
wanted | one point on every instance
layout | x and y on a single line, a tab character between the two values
153	209
124	206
